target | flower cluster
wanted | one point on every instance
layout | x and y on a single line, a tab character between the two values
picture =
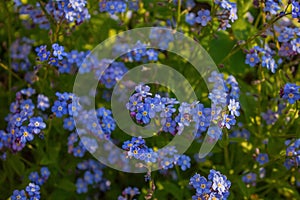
143	107
290	93
226	13
118	6
138	52
112	74
93	175
225	92
100	129
129	193
216	186
292	154
287	46
166	157
22	125
66	62
264	56
65	10
66	104
37	179
272	7
19	51
202	17
241	132
32	191
36	16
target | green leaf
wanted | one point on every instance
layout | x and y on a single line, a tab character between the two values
66	185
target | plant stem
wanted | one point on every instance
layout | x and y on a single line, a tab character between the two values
9	33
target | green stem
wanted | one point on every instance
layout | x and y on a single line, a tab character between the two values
10	71
9	33
226	152
178	14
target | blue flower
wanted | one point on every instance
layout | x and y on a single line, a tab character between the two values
27	105
28	92
143	114
19	119
220	184
214	132
234	107
252	59
58	51
36	124
167	111
204	186
42	52
169	125
134	102
184	162
296	45
33	190
195	180
88	177
33	177
25	134
286	35
155	105
291	93
97	175
152	55
272	7
296	9
203	17
262	158
249	178
45	173
269	62
59	108
43	102
69	123
167	163
18	195
81	186
228	120
150	156
79	151
190	18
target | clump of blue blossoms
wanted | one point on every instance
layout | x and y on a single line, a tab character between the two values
92	175
39	179
23	123
263	56
224	11
174	116
66	62
19	52
216	186
67	11
32	191
118	6
129	193
292	154
166	157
